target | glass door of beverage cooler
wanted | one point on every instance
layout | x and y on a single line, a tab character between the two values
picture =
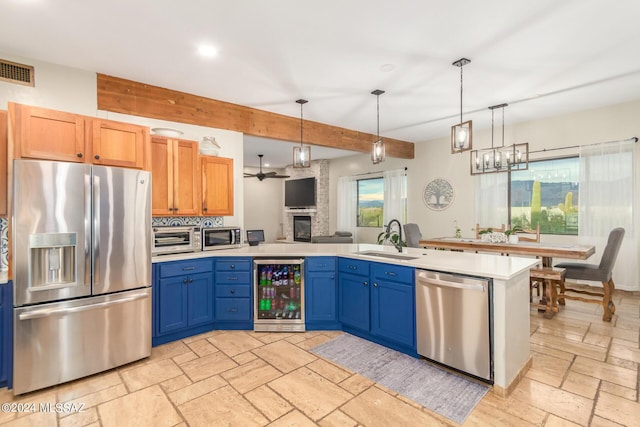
279	295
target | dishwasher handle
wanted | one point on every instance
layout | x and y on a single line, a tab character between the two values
423	278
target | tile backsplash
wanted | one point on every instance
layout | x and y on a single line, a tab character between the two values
205	221
174	221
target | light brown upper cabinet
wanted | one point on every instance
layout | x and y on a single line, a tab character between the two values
3	163
217	186
40	133
118	144
176	177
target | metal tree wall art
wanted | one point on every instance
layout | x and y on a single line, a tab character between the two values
438	194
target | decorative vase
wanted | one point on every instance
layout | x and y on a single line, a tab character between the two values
513	238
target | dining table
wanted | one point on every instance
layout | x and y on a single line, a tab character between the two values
546	252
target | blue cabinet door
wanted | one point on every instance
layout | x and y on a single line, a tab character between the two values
393	303
354	301
320	297
172	304
6	334
321	293
200	298
392	311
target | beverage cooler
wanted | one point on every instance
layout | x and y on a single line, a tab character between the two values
279	295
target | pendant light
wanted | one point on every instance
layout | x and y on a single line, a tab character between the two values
500	159
461	134
301	155
377	147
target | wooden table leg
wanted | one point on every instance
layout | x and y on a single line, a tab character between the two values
552	299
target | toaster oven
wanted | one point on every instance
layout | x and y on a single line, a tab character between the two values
174	240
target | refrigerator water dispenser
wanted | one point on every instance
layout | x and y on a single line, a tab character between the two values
52	260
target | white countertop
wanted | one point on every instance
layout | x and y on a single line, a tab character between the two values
484	265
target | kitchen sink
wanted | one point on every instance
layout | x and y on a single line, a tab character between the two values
387	255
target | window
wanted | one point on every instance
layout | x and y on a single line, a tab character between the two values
370	202
546	194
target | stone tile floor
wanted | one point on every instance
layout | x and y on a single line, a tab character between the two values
584	372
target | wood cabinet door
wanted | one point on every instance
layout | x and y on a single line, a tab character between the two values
162	176
186	178
118	144
40	133
3	162
217	186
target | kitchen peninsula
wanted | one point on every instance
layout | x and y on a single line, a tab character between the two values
510	276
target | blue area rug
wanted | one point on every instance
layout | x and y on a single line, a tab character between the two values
450	395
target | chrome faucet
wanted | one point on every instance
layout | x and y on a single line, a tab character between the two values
398	244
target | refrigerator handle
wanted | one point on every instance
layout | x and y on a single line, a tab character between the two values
95	248
47	312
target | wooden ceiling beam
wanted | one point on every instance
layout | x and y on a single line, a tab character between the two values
138	99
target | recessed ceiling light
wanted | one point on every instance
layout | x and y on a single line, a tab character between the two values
207	51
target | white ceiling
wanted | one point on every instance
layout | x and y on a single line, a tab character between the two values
543	57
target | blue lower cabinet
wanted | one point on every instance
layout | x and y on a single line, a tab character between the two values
320	294
393	311
377	303
6	334
353	301
183	299
233	292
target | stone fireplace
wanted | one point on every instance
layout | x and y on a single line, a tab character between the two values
319	214
301	228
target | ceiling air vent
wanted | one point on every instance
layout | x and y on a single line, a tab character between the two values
16	73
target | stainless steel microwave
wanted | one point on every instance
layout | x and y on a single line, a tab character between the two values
221	238
174	240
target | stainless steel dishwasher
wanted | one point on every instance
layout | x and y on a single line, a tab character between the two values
454	321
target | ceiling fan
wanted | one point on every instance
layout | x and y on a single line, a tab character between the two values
261	175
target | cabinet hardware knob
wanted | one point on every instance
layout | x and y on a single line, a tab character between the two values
365	283
204	208
79	155
184	281
232	266
232	291
190	280
375	285
96	157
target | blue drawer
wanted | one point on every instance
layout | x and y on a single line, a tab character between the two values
233	277
233	264
394	273
320	263
233	309
353	266
180	268
233	290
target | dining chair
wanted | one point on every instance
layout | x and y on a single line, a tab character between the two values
598	273
479	229
529	235
412	234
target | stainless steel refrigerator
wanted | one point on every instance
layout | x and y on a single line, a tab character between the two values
81	257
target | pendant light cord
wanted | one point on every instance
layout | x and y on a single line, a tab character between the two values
378	117
461	67
301	124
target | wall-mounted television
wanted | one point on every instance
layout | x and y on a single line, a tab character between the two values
299	193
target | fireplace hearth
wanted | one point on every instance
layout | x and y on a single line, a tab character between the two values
302	228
